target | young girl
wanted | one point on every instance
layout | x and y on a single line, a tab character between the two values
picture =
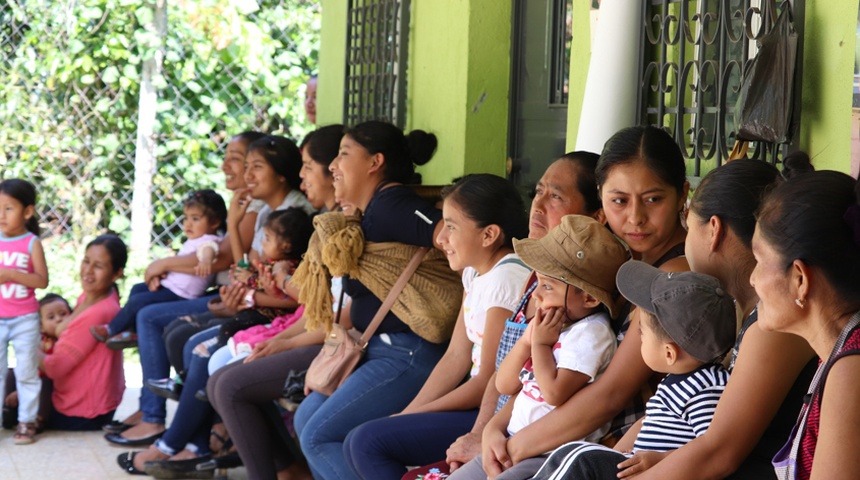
482	214
205	213
285	240
53	309
22	269
570	341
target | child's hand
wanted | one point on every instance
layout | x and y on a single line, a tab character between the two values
267	281
547	326
233	296
11	399
4	275
241	275
203	269
639	462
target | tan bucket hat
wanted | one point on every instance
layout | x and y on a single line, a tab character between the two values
581	252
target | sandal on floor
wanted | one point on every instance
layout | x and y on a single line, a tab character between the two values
126	462
25	433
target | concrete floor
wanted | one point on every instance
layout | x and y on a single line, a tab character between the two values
76	455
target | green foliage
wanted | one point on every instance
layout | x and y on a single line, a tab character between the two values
69	103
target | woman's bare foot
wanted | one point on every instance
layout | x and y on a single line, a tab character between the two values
151	454
297	471
134	418
143	430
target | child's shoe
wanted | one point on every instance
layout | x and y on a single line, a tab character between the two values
122	340
25	434
100	332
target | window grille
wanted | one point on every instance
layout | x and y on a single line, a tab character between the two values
377	37
694	54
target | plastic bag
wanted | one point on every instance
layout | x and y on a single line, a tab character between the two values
763	110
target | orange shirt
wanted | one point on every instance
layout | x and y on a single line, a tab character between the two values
88	378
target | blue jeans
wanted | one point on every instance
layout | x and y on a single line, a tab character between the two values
193	419
384	447
138	298
391	374
151	322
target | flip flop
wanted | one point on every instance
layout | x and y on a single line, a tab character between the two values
126	462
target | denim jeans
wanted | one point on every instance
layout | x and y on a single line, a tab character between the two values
193	419
23	333
138	298
384	447
392	373
151	322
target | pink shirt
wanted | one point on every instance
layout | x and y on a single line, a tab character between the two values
187	285
16	299
88	378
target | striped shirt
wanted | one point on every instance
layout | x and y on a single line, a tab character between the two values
682	408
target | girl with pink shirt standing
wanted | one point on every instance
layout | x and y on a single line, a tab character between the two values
22	269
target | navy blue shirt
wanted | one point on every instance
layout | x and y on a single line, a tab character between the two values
390	217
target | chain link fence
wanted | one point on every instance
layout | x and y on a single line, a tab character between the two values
70	78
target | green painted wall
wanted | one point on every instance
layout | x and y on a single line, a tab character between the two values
828	73
459	74
457	82
332	62
580	56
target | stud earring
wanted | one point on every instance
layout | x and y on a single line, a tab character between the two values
800	303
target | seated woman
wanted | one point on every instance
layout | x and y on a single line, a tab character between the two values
643	186
483	214
142	427
243	393
274	163
810	290
770	371
88	378
375	159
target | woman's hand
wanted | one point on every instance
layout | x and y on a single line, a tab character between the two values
494	448
233	296
546	326
269	347
238	206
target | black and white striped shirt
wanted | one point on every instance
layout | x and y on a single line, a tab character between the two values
681	409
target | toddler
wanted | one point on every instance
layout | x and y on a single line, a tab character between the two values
22	270
570	341
53	309
688	324
205	214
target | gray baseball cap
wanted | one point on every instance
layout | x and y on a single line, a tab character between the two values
692	307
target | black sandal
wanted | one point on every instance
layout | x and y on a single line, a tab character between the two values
126	462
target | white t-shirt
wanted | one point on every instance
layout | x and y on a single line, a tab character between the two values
500	287
294	199
587	347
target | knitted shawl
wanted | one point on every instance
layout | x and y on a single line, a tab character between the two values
429	304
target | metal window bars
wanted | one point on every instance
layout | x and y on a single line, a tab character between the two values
693	57
376	57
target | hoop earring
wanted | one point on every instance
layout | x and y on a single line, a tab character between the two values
800	303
